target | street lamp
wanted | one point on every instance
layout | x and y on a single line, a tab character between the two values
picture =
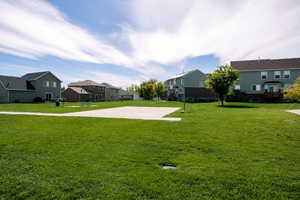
183	94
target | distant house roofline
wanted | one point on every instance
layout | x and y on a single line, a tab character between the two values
37	75
266	64
183	74
21	83
79	90
85	83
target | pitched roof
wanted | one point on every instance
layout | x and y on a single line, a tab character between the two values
37	75
183	74
13	83
109	85
33	76
79	90
85	83
266	64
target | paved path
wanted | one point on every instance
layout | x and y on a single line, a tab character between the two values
294	111
128	112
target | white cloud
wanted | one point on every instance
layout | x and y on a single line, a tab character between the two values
35	28
170	31
160	33
114	79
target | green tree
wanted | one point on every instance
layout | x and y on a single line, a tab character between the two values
159	89
147	89
221	80
294	92
133	88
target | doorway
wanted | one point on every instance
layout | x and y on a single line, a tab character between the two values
48	96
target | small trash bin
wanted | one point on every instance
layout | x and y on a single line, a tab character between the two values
57	103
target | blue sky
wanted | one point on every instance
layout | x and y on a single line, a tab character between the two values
129	41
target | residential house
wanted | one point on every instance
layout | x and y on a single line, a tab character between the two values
111	92
89	90
263	76
189	86
32	87
125	95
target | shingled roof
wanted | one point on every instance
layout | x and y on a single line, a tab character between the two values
109	86
183	74
13	83
85	83
79	90
266	64
33	76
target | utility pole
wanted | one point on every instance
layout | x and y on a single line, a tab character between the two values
183	94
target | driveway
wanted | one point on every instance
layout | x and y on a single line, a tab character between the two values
128	112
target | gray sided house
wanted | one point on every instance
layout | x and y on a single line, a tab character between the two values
189	86
90	91
111	92
259	77
125	95
32	87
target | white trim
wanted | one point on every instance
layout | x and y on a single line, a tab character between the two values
277	74
256	88
289	73
261	75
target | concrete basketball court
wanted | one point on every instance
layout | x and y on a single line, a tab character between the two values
294	111
128	112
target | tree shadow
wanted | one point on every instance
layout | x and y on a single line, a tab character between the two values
236	106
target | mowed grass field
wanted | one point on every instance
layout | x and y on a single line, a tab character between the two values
242	151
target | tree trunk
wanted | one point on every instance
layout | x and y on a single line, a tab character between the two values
222	100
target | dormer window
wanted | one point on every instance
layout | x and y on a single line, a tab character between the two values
277	74
287	74
264	75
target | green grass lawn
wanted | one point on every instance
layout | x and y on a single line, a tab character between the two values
243	151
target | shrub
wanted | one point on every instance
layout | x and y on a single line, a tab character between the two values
237	96
294	92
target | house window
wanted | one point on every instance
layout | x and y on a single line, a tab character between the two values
286	74
256	87
54	84
47	83
181	81
277	74
264	75
266	88
237	87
